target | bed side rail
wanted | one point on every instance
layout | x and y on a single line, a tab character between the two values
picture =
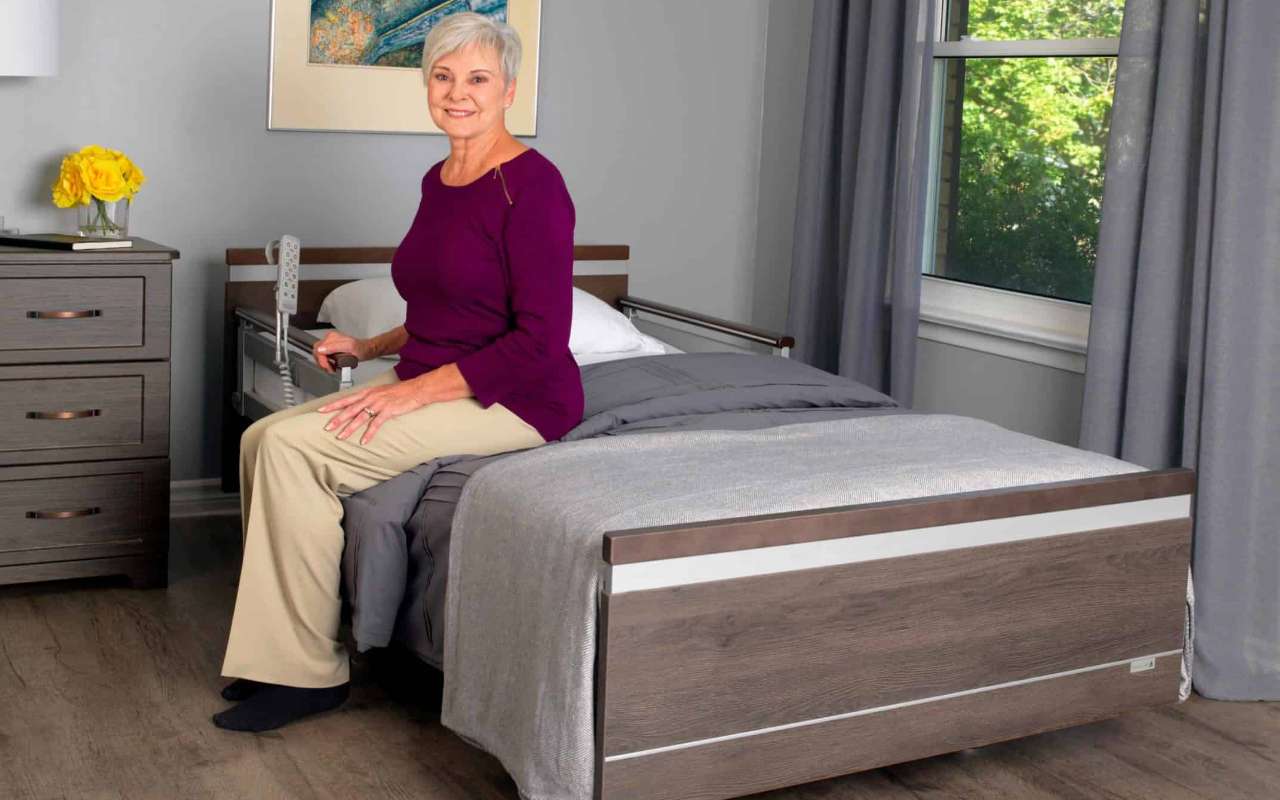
305	374
296	336
781	342
263	321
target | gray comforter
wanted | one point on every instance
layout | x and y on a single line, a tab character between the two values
526	566
399	532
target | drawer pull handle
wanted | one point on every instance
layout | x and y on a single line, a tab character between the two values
91	312
79	512
88	412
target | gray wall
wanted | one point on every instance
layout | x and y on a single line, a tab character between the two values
1025	397
651	110
785	75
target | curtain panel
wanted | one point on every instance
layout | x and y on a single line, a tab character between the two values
1184	344
862	189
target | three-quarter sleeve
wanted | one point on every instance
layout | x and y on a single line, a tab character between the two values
538	249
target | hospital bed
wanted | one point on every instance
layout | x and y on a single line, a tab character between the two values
1009	612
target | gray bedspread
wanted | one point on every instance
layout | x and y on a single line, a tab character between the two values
398	533
525	561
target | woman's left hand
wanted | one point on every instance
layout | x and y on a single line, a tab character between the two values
374	406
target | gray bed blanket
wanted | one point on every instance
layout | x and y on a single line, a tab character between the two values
525	565
398	532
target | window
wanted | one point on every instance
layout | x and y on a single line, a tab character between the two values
1024	90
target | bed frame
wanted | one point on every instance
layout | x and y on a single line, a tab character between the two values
741	655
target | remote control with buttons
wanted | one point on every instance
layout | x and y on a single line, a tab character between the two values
287	286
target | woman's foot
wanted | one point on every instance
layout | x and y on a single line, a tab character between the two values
240	689
273	706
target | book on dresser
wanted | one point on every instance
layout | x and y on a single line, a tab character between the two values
63	241
84	386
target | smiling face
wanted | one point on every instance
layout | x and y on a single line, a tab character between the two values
466	92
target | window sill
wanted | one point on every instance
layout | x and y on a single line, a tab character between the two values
1039	330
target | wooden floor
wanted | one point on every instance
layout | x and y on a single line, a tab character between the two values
106	692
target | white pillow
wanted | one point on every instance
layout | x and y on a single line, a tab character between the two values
363	308
649	347
371	306
599	328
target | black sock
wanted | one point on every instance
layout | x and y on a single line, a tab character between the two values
273	706
240	689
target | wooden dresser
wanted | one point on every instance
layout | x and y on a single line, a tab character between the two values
84	406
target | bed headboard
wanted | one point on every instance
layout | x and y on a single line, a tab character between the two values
600	269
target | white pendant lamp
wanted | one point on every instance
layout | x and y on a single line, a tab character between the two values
29	37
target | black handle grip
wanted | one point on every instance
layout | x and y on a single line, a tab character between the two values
340	360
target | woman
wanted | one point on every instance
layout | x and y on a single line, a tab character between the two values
486	270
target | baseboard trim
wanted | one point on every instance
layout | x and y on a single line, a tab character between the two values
202	498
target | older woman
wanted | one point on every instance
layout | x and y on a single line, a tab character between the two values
486	270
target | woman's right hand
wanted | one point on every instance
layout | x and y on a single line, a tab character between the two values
335	342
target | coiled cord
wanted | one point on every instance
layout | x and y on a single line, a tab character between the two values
282	359
286	382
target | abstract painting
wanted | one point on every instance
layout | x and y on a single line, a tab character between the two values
356	65
383	33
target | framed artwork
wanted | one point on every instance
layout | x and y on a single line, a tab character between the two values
356	65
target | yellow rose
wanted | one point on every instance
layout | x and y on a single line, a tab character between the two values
96	171
133	176
70	189
104	179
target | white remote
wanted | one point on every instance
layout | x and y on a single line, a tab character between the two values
287	288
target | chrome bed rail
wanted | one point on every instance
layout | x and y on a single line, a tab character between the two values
306	375
781	343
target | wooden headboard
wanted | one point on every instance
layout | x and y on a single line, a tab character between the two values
608	285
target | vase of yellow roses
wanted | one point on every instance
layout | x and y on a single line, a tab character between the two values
101	183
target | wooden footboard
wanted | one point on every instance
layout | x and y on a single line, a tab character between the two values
738	656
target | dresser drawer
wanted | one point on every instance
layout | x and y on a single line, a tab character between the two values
58	513
62	312
75	412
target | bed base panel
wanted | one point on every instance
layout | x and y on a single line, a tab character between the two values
737	767
723	687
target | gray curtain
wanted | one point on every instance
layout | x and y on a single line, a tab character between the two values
861	203
1184	345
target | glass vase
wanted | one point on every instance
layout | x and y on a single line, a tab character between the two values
104	218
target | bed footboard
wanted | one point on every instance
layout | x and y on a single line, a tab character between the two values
744	655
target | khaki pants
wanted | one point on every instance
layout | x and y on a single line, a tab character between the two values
292	474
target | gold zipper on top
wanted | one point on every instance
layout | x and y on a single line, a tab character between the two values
497	173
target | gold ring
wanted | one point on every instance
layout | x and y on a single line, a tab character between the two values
367	411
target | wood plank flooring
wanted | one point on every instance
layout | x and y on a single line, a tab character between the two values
106	692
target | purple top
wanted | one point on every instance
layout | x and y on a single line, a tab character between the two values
486	270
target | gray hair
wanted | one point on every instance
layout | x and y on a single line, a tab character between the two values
460	30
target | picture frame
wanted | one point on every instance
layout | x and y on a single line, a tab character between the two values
357	98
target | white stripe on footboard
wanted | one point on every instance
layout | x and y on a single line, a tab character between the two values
668	572
891	707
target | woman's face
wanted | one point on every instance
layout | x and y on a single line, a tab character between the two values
466	92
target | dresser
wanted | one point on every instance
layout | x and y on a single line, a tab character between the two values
84	413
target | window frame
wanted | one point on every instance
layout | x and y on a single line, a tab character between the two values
1005	322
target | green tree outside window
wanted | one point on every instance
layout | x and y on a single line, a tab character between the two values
1024	203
